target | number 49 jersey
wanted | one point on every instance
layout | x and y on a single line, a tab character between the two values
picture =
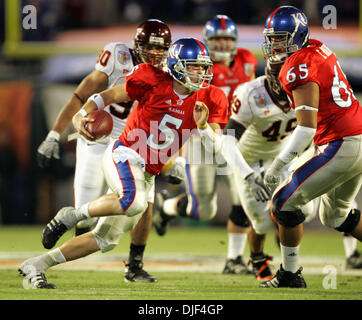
339	113
116	62
267	123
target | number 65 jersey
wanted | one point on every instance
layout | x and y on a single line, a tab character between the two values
268	123
339	114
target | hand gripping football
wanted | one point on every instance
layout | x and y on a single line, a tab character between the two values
102	125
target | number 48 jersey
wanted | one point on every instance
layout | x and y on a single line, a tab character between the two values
116	62
339	112
268	124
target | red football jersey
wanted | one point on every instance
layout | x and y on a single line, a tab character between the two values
339	113
163	121
241	70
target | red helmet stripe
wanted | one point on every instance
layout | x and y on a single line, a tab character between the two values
223	23
271	16
202	47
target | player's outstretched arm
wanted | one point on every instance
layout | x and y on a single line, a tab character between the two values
306	100
49	148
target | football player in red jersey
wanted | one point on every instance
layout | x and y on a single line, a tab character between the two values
171	107
151	42
328	113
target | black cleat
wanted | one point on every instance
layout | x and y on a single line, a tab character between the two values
135	273
36	279
285	279
261	268
354	261
236	266
160	219
52	232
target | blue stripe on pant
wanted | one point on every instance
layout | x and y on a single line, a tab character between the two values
127	179
303	173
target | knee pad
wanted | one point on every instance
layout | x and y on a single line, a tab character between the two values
289	218
139	205
351	221
238	217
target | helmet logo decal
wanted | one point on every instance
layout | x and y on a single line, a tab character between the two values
156	40
299	18
175	50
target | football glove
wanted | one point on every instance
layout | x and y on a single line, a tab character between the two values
177	172
257	187
48	149
272	175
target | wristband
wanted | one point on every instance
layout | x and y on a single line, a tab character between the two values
82	112
53	135
98	100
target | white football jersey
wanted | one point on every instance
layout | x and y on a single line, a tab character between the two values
267	124
116	62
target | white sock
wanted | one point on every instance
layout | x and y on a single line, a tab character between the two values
350	245
57	256
236	244
170	206
290	258
82	212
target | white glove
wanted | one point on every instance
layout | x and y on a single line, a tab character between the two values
48	149
177	172
272	175
257	187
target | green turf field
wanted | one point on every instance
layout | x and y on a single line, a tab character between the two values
203	248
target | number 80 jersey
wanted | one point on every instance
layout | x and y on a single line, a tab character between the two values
116	62
268	124
339	112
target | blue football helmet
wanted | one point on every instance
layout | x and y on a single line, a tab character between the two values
189	52
286	31
217	27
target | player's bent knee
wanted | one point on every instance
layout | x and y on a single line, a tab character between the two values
289	218
104	243
238	217
351	221
139	205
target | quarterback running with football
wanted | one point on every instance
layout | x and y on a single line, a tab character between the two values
328	114
231	67
171	107
151	42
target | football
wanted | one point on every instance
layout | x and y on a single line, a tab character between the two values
102	125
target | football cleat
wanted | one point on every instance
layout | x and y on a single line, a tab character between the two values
236	266
80	231
160	219
134	272
261	268
36	278
354	261
285	279
55	228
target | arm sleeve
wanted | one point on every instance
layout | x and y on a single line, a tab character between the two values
218	107
106	59
241	105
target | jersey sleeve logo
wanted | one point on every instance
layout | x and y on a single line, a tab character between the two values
248	69
123	56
